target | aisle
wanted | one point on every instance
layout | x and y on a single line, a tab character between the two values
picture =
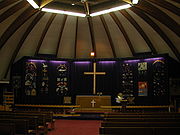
76	127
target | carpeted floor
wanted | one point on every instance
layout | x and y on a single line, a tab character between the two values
76	127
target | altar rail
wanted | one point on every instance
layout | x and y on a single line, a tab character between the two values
57	110
47	106
168	108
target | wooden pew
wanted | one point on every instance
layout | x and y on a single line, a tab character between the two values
40	118
139	131
48	118
21	126
7	128
32	121
144	116
142	119
140	124
147	113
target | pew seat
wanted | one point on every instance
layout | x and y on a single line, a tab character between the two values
139	131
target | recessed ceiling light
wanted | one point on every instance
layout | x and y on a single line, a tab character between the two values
33	4
135	1
111	10
63	12
72	4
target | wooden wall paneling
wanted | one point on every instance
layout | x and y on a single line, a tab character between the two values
21	19
29	29
159	15
120	26
60	34
12	10
44	32
158	30
139	29
108	35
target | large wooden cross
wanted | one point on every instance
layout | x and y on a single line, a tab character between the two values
94	73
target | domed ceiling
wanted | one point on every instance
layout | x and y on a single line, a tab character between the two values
150	26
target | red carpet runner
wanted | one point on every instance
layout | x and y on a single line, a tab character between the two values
76	127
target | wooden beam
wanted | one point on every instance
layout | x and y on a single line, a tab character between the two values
121	28
6	3
90	23
44	3
167	5
20	43
108	35
159	15
86	7
76	35
60	34
20	20
12	10
158	30
44	32
139	29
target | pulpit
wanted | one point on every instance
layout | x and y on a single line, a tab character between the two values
93	101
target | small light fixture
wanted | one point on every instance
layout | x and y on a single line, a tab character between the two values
72	4
92	54
135	1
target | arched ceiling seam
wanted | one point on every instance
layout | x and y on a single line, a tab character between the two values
76	36
140	30
60	34
20	43
6	3
90	23
12	10
158	30
167	6
21	19
44	33
108	35
121	28
159	15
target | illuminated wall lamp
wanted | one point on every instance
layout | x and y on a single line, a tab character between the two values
92	54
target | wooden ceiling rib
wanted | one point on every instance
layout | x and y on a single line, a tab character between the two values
20	20
159	15
44	33
167	6
20	43
90	23
60	34
76	36
121	28
139	29
108	35
12	10
177	1
6	3
158	30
